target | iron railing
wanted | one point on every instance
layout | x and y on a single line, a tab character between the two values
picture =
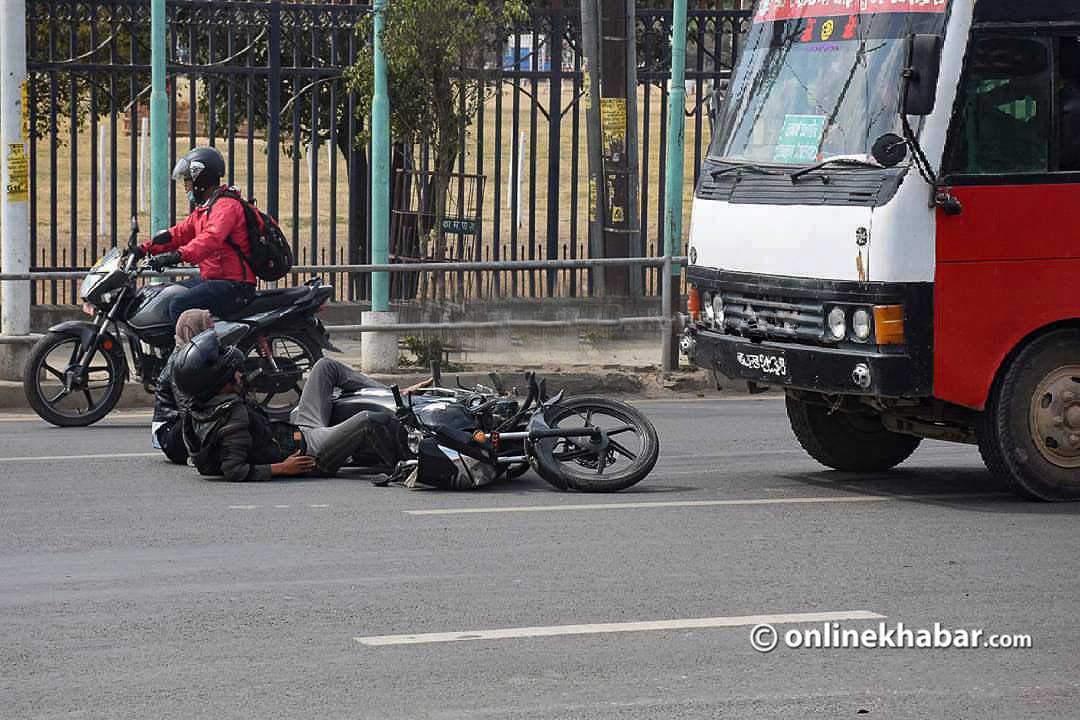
263	82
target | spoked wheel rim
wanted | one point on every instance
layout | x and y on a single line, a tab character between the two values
622	447
64	389
279	390
1054	417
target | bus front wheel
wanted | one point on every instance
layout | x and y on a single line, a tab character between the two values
855	442
1029	434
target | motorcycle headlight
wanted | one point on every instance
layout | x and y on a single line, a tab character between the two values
414	441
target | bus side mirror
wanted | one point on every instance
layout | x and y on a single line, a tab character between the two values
918	88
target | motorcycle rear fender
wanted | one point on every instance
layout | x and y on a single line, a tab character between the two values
321	337
85	331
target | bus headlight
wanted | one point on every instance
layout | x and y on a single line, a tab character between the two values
836	324
718	311
860	324
707	307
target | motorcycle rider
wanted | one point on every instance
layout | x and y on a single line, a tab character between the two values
166	427
214	237
228	435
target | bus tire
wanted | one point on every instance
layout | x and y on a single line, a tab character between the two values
1029	434
847	441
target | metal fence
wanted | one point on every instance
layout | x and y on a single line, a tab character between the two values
263	82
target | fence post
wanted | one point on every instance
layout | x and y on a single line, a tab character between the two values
273	109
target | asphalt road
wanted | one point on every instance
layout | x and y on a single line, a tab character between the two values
132	588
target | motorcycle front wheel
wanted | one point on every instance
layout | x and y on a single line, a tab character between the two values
631	452
62	395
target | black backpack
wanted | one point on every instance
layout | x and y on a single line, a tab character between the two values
271	257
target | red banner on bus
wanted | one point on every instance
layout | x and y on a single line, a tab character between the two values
779	10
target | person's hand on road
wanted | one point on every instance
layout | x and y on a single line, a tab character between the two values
295	464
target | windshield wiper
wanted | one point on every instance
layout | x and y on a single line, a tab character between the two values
745	166
859	161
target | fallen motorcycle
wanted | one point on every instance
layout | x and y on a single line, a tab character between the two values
462	438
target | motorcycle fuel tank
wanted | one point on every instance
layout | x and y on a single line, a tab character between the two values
152	308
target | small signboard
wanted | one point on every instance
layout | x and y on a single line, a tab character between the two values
458	226
799	139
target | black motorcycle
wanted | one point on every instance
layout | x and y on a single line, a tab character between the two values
463	438
76	373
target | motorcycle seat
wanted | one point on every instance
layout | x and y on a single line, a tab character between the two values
267	300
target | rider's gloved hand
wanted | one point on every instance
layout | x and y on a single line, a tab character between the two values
164	260
138	252
162	238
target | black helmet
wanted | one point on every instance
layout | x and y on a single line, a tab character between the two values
203	367
204	166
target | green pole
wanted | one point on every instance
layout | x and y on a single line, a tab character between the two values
674	187
676	132
380	170
159	122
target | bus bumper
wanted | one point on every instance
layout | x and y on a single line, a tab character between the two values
802	367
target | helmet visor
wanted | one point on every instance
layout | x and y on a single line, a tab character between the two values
180	172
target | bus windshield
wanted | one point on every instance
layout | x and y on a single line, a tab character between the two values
819	79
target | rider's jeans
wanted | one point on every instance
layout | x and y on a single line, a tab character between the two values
220	297
332	445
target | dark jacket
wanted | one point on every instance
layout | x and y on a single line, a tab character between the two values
234	438
169	404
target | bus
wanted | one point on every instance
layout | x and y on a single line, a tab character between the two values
887	226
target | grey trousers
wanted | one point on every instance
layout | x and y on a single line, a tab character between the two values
332	445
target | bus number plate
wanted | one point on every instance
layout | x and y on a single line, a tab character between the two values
762	364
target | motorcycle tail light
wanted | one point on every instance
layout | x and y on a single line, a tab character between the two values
107	344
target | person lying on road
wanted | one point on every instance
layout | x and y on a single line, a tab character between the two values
228	435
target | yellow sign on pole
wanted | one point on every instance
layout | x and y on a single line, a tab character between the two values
18	186
25	107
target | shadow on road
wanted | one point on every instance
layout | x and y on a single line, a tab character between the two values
994	497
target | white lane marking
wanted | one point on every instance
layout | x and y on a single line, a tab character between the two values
704	503
242	507
283	507
319	506
27	417
51	458
599	628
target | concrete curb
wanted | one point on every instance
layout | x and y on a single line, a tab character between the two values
642	383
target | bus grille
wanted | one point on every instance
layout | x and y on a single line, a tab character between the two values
774	318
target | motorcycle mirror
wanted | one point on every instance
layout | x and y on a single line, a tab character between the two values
134	224
396	391
436	373
889	150
496	380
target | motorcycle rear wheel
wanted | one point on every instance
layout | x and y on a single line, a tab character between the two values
44	375
623	463
278	391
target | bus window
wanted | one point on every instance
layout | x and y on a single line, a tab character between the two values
1003	118
1068	85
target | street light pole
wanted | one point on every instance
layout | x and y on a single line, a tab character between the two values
380	168
159	121
378	351
15	186
674	193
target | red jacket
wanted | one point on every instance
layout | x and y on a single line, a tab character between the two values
201	240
